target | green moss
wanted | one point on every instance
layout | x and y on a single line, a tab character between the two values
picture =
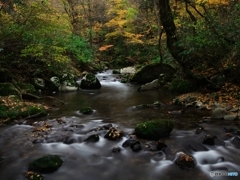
32	110
179	85
86	110
20	111
46	164
154	129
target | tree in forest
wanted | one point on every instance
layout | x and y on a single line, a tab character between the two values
207	37
37	38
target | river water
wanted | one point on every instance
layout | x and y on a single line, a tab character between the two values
115	103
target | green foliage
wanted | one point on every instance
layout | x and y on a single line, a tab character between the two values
7	89
211	38
179	85
44	39
79	49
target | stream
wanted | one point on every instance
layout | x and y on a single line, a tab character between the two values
115	103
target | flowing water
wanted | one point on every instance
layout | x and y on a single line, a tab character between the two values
115	103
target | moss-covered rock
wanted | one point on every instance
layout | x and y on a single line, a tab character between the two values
46	164
154	129
179	85
30	175
90	81
86	110
151	72
38	83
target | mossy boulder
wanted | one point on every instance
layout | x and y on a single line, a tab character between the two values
151	72
38	83
86	110
154	129
90	81
179	85
46	164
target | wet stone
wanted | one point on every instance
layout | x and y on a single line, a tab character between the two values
34	176
92	138
116	149
156	146
69	140
209	140
199	130
37	141
108	126
184	161
135	145
236	141
113	134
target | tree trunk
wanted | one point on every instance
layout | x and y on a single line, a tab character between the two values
170	29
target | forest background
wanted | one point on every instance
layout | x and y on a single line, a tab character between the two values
198	38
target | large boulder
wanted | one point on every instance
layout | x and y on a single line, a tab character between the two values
149	86
219	113
90	81
53	83
154	129
151	72
38	83
68	86
128	70
46	164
